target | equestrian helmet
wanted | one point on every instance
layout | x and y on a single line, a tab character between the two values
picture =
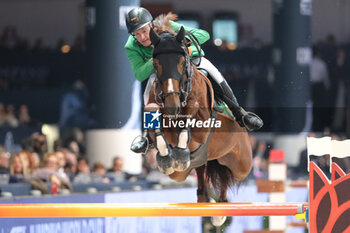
137	18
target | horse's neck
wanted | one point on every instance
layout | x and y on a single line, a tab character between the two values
200	88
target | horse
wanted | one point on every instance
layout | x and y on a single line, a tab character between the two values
220	153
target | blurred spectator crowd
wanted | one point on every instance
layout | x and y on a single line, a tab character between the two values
24	65
11	40
64	166
12	117
250	72
330	85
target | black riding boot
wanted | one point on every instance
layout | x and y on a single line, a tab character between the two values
245	119
142	145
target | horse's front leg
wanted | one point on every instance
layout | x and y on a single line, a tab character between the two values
181	152
164	155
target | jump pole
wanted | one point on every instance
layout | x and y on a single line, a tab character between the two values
69	210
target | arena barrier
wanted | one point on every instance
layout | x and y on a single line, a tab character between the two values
149	209
329	199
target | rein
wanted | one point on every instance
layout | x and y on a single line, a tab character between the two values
194	40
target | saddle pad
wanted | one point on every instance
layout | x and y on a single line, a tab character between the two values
223	108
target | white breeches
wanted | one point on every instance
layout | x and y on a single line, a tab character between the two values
212	70
148	88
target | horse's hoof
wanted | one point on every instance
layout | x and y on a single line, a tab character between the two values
217	220
181	158
179	167
165	164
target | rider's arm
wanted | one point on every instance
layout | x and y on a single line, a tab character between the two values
201	35
142	67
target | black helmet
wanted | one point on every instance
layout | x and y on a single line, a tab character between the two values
137	18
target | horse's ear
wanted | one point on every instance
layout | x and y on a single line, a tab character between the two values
154	37
180	36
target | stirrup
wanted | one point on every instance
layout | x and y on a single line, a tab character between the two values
245	124
148	144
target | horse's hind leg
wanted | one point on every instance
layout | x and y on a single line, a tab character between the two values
240	165
203	196
202	192
219	220
221	178
223	194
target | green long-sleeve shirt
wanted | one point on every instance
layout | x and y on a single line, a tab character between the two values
140	57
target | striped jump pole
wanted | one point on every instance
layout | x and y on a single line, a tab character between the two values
68	210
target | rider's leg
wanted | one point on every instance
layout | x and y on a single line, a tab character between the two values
250	120
142	143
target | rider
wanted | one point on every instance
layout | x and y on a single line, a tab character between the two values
139	50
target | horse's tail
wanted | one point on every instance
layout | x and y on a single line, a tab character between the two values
220	177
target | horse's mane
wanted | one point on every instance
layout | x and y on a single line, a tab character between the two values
162	23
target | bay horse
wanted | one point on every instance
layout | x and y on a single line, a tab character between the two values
220	153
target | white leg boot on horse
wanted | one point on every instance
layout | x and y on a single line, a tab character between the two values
164	156
181	153
217	220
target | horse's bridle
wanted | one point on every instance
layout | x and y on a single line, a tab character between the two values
186	86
